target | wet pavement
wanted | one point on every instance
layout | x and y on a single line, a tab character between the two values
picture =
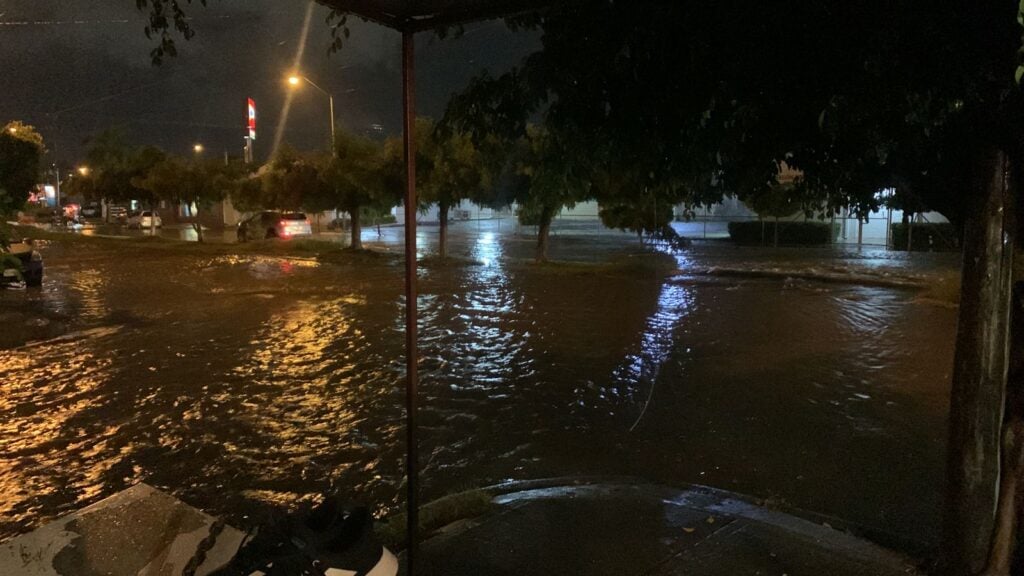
240	381
638	528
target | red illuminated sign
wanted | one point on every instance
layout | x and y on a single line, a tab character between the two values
252	119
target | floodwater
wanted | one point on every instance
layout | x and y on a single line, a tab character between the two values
241	382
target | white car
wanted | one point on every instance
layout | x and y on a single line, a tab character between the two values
144	220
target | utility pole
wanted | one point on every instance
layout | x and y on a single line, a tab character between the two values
56	170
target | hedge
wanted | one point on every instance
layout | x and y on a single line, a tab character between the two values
801	233
927	237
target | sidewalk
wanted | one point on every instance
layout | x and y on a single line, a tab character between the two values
618	529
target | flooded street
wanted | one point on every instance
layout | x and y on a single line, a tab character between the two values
237	382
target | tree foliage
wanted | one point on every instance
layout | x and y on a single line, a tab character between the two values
166	18
191	182
358	177
547	179
21	151
688	101
116	167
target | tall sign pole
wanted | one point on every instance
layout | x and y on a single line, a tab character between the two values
251	125
411	353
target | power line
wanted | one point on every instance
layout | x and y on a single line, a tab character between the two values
88	22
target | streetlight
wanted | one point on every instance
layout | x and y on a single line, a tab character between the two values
296	79
83	170
198	148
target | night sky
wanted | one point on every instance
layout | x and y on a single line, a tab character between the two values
74	68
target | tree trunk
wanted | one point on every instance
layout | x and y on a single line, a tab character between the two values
776	241
543	231
979	370
910	233
199	230
1004	540
357	231
442	213
152	219
1010	510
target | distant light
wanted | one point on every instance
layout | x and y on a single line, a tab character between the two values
83	170
294	80
198	148
13	129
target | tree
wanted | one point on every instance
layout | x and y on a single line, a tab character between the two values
859	97
287	180
247	191
21	150
640	217
116	167
393	167
357	177
547	180
83	185
190	182
456	170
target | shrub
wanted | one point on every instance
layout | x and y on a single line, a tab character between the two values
790	233
927	237
370	216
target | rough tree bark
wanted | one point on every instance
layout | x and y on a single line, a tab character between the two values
980	370
442	212
1007	538
543	232
357	230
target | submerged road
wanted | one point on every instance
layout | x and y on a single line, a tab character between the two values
238	382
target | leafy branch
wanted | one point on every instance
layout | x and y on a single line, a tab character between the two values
166	18
1019	74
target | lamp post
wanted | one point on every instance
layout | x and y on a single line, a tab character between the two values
296	79
56	171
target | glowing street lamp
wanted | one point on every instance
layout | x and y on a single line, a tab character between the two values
83	170
198	148
296	79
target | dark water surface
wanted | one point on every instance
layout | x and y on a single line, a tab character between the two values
237	382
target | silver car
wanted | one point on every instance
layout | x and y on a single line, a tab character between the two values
144	220
271	224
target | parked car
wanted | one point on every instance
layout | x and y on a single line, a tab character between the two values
91	210
117	214
144	219
20	265
270	224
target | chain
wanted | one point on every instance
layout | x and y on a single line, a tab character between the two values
205	546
